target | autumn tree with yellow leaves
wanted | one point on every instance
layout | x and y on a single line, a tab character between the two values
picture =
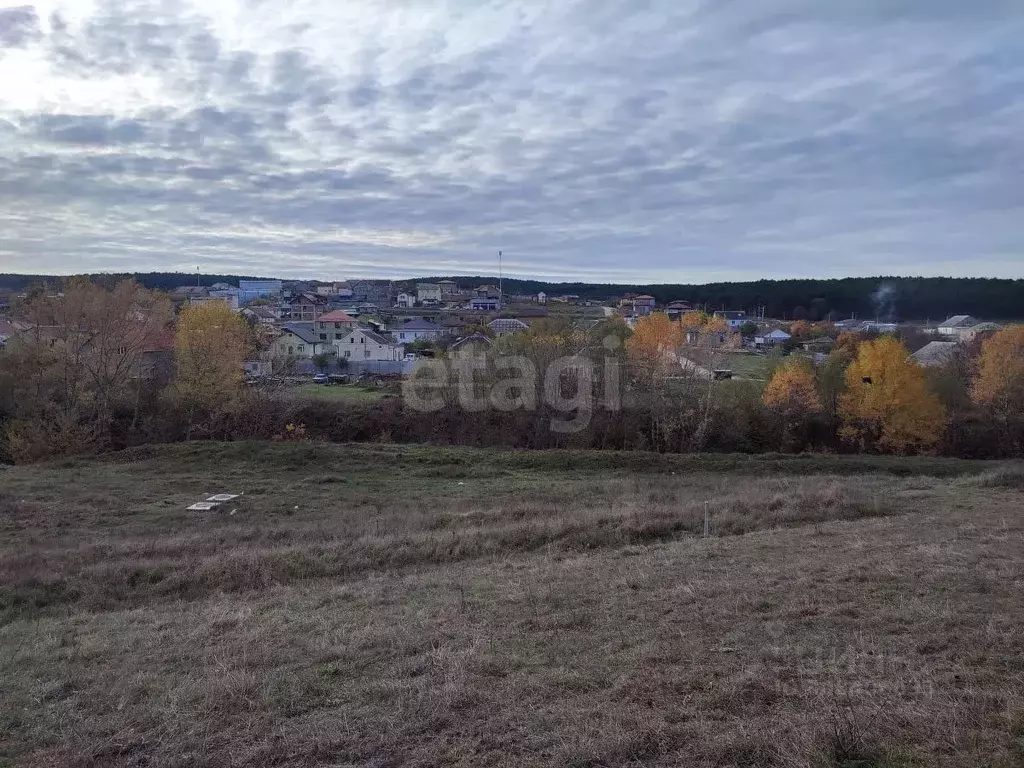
792	389
887	404
653	343
793	398
695	320
211	344
1000	380
999	385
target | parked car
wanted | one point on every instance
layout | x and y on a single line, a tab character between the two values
320	378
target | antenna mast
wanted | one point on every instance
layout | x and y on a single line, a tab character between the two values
501	296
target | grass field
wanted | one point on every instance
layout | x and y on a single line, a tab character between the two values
342	392
747	366
389	605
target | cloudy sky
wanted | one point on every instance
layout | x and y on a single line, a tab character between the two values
607	140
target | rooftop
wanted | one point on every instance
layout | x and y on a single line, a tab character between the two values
508	323
337	316
303	330
958	321
473	338
935	353
419	324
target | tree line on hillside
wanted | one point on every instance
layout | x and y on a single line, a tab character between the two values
98	369
154	281
888	299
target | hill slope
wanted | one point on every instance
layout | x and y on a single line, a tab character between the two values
385	605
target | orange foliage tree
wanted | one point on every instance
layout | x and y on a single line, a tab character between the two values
700	328
715	325
792	396
654	341
847	344
887	403
800	329
804	329
792	389
691	321
1000	379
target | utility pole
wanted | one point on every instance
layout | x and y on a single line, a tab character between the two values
501	295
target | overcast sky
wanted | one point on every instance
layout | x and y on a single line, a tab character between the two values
632	141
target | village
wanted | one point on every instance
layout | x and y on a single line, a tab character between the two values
380	328
331	332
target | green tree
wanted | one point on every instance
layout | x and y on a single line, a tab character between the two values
322	361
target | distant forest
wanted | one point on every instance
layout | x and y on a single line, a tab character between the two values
887	298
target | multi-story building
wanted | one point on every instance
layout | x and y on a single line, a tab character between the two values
248	290
303	307
428	293
362	344
334	326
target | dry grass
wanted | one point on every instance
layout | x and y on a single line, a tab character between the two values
384	606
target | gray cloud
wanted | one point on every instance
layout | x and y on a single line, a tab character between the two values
685	140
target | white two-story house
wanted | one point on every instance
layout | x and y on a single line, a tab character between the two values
363	344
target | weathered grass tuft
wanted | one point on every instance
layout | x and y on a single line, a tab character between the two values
1006	476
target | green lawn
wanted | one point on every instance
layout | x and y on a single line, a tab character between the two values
746	366
339	392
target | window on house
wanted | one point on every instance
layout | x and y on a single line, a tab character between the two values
337	325
302	347
351	339
291	350
348	353
366	354
339	335
323	337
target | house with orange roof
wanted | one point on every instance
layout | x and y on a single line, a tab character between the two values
333	326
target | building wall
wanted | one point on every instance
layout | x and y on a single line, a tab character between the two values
357	347
428	292
304	312
290	345
248	290
407	336
330	332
